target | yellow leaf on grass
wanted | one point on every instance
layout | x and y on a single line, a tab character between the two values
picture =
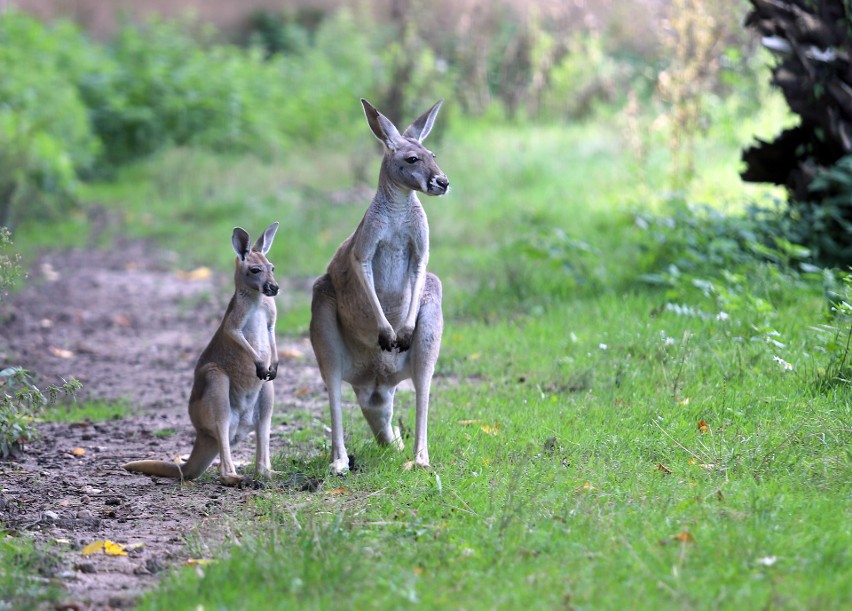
78	451
703	426
664	469
469	421
587	487
199	273
109	548
198	561
338	491
684	537
492	429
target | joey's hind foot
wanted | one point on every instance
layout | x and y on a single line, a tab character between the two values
230	479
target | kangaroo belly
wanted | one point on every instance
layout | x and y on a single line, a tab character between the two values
392	271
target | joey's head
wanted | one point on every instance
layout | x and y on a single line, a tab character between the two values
253	270
407	163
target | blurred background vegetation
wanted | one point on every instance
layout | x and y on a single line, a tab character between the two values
78	103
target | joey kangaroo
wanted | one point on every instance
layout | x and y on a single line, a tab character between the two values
232	391
376	315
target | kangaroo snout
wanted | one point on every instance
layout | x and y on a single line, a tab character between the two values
439	185
270	289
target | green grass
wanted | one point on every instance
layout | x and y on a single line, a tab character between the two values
93	411
25	573
569	464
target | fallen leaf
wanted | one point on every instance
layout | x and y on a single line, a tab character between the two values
703	426
418	570
199	273
684	537
109	548
198	561
338	491
663	468
121	320
491	429
302	391
50	274
61	353
78	451
408	465
468	421
587	487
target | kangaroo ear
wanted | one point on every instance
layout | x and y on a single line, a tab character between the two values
240	240
382	127
422	125
264	242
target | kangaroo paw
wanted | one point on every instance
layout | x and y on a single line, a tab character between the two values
340	466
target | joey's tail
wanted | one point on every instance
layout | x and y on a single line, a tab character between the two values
203	452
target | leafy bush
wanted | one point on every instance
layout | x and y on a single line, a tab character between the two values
835	334
735	269
10	269
824	221
20	403
45	136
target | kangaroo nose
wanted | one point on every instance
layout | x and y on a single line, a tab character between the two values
443	182
270	289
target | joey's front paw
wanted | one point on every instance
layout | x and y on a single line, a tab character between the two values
265	373
387	339
404	337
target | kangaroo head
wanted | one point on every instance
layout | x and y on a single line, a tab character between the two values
407	163
253	270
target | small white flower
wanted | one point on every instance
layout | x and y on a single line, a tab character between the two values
784	364
668	341
722	316
603	346
767	560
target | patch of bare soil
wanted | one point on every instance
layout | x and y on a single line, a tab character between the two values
129	325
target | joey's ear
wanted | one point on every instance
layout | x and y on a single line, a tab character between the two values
382	127
264	242
422	125
240	240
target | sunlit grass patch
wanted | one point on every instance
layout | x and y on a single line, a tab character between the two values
92	411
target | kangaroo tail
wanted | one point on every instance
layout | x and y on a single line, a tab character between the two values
203	452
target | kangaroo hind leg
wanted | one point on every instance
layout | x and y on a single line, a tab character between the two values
425	347
331	353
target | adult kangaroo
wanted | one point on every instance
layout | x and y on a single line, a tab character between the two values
232	392
376	315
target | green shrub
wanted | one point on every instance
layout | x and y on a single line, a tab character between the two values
824	220
20	403
45	136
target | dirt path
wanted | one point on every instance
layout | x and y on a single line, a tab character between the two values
129	325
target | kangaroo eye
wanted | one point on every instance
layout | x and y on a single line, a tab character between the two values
255	270
412	159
